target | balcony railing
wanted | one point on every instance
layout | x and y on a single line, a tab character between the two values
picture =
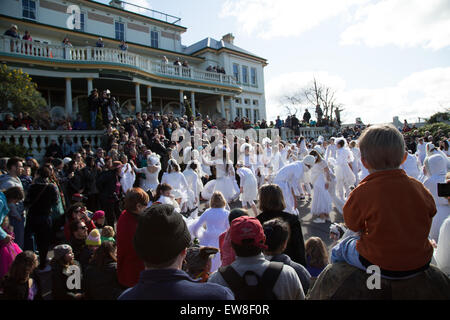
36	141
108	55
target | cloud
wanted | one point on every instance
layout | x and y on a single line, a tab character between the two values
283	18
419	95
404	23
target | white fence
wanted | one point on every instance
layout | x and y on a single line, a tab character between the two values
37	141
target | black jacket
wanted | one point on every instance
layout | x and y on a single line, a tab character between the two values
19	291
106	184
102	283
296	246
93	103
60	291
89	180
40	199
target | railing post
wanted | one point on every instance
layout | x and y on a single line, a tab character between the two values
88	53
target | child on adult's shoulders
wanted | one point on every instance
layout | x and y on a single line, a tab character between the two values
391	211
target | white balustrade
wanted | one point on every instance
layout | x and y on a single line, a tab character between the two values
38	139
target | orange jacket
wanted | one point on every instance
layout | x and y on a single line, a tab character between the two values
393	213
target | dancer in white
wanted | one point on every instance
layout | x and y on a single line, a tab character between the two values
321	200
436	169
128	177
216	221
249	187
411	166
289	179
151	172
195	186
225	179
303	150
163	195
421	150
344	174
177	181
441	257
356	164
331	149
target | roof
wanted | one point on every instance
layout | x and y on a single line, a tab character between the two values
216	45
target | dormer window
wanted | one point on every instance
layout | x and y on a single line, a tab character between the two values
29	9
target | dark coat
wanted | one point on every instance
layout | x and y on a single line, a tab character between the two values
106	184
102	283
40	199
296	246
89	180
60	291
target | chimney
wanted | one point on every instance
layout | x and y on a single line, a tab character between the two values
228	38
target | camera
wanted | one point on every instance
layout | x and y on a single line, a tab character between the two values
443	190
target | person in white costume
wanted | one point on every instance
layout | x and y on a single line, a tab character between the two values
226	180
436	169
421	150
356	164
344	174
249	187
269	159
247	156
303	150
195	186
163	195
411	166
331	149
320	178
177	181
128	177
441	256
151	172
216	221
289	179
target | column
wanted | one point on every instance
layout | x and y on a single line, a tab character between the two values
193	103
68	96
222	106
181	102
149	97
138	97
90	85
232	109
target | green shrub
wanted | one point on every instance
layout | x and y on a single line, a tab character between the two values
13	150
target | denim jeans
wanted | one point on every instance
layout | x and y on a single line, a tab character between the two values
345	250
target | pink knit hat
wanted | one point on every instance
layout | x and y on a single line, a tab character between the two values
98	215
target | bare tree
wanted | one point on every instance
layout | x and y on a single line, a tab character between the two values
294	101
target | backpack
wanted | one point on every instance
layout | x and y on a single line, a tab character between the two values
263	290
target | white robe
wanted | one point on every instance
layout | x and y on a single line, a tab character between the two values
290	178
226	182
249	185
411	166
344	175
127	177
441	257
216	222
321	198
178	183
151	179
437	168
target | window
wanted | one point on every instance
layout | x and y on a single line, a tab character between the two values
29	9
255	102
82	21
154	39
120	31
248	112
247	101
238	100
236	72
256	115
244	74
253	76
239	112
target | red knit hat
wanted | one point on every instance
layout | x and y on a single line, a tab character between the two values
246	227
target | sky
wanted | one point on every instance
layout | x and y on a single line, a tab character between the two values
384	58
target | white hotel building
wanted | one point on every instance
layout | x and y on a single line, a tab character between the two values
137	77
